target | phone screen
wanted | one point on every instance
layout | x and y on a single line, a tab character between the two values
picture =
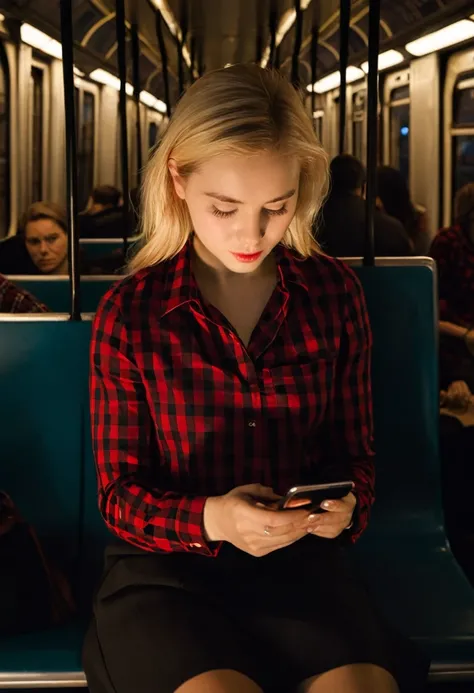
311	497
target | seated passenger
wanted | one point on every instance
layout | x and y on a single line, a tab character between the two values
393	197
234	360
453	250
46	237
13	299
103	217
342	223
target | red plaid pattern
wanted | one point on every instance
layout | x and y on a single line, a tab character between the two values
16	300
181	410
454	256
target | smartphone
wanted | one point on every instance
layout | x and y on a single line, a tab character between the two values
311	497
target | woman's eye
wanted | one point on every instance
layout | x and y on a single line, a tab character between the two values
221	214
275	212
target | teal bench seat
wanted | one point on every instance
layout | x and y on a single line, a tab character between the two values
404	555
54	292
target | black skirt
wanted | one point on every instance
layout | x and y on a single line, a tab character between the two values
159	620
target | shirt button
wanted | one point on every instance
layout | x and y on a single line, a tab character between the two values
252	424
196	546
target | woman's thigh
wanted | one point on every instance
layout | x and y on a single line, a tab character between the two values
156	638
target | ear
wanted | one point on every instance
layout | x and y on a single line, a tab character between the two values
178	181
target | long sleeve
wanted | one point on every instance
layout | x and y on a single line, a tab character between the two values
126	453
442	251
350	420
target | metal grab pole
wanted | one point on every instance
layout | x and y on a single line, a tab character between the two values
314	64
122	64
372	103
344	19
272	26
164	60
295	60
71	171
136	96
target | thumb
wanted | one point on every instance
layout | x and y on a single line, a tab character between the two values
259	491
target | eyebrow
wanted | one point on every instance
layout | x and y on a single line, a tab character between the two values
231	200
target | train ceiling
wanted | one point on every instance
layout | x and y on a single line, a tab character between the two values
218	32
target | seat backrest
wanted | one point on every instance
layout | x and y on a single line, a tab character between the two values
54	292
402	302
95	248
43	418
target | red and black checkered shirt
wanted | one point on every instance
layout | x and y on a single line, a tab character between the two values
181	410
454	255
13	299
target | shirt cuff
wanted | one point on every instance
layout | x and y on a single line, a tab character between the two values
190	527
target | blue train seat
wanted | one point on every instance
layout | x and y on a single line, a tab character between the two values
404	555
96	248
43	433
54	292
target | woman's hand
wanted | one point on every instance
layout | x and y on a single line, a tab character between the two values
338	517
242	519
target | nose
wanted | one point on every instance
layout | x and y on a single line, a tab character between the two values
44	249
253	233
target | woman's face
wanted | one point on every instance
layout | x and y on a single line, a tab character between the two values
240	206
47	245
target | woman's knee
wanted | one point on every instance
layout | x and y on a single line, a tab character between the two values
352	678
220	681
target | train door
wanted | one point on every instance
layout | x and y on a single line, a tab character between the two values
396	121
458	130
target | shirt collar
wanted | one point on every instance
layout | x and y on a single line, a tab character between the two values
181	287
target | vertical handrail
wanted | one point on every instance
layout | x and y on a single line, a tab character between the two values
372	104
272	27
164	59
314	55
67	38
295	58
122	65
344	18
182	44
192	55
136	96
259	33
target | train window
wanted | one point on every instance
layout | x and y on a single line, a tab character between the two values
463	106
85	130
463	161
400	130
463	132
36	102
318	118
4	146
358	124
152	135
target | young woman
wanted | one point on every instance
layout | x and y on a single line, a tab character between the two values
231	365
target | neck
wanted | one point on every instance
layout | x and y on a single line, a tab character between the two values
62	268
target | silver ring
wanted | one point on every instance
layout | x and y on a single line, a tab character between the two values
267	532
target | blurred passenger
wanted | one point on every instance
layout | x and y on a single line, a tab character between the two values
453	250
14	257
394	199
46	237
342	229
13	299
103	217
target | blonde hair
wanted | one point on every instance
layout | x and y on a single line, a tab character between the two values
241	109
